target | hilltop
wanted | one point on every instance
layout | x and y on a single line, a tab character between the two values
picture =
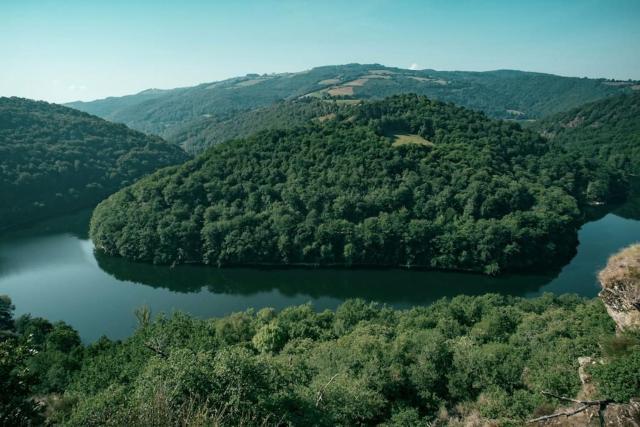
55	159
505	94
402	182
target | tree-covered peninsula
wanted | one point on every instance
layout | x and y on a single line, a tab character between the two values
406	181
55	159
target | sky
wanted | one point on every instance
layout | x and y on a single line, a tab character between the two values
68	50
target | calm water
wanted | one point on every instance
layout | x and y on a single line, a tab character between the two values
51	270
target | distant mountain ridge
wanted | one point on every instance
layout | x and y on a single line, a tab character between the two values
504	94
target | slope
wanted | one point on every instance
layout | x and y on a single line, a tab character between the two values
608	129
481	195
500	94
54	159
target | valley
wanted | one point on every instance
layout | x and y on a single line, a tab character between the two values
287	213
331	246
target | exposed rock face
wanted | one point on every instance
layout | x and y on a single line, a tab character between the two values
623	415
620	282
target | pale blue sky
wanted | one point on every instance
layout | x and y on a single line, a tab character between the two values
71	49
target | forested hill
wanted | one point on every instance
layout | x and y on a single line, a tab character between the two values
54	159
203	133
608	129
500	94
405	181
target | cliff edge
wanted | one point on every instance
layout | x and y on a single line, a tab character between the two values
620	281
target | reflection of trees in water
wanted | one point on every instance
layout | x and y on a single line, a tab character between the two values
391	286
4	267
631	208
76	224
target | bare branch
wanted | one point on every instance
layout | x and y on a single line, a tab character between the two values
322	390
560	414
585	405
156	348
583	402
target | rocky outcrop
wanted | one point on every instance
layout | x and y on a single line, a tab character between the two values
620	281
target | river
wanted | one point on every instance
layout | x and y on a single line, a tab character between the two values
51	270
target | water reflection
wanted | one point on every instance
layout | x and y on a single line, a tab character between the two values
75	224
391	286
51	270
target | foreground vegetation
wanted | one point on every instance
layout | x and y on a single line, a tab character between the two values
481	195
485	357
55	159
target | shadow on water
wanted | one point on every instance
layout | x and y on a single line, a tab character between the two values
51	270
75	224
391	286
630	209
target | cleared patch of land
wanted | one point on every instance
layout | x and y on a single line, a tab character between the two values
429	80
316	94
409	138
376	76
341	91
357	82
329	82
326	117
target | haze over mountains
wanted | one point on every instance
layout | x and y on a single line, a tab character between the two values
504	94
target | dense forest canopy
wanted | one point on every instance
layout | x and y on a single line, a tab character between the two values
486	358
201	134
402	182
54	159
608	130
500	94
